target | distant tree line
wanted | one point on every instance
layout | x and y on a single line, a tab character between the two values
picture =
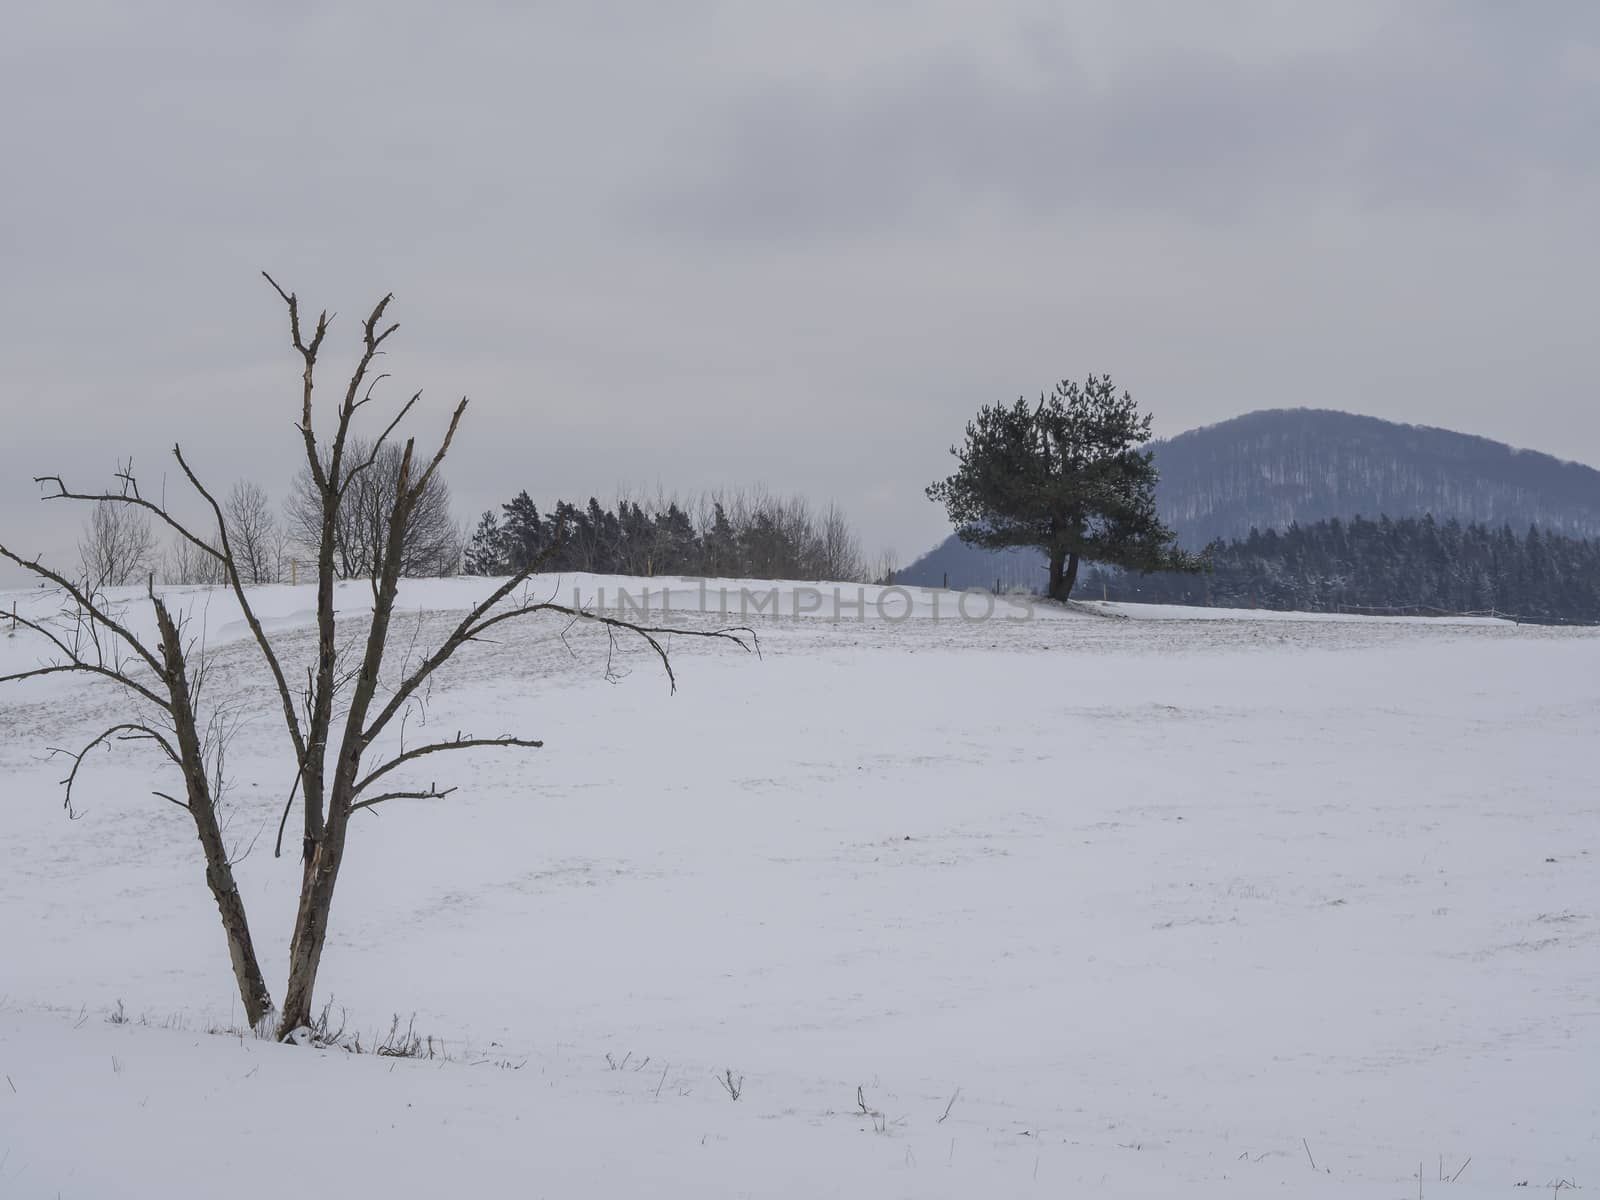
1410	563
749	535
736	534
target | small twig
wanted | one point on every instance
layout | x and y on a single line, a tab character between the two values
1464	1166
1309	1159
949	1106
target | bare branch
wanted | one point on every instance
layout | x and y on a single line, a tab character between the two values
735	634
309	354
444	448
460	743
372	342
378	445
376	380
434	792
460	636
93	610
256	631
44	631
288	806
140	731
293	301
476	624
132	498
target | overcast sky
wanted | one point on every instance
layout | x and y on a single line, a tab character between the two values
699	245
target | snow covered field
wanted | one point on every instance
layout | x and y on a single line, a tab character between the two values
1235	906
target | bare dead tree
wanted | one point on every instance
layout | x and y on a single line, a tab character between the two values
335	721
253	532
118	546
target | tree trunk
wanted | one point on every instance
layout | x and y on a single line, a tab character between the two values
311	921
253	989
1063	574
326	852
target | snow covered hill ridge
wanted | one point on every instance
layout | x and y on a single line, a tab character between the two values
214	612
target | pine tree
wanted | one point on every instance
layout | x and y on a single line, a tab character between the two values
523	533
676	548
720	545
1067	476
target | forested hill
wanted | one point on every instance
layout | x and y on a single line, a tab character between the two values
1413	564
1267	469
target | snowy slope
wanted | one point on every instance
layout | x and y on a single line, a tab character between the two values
1180	906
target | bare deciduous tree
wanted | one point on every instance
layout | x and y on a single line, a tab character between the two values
888	564
253	532
185	564
336	722
432	544
118	546
838	548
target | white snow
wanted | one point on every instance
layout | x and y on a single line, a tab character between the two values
1179	906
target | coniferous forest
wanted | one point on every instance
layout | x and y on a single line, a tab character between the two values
1410	564
738	535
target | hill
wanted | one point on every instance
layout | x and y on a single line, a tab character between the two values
1269	469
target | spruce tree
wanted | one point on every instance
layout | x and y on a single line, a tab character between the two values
485	554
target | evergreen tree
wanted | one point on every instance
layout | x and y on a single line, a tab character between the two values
485	554
523	534
676	549
1066	475
720	545
636	540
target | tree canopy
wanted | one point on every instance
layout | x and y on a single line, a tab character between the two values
1067	475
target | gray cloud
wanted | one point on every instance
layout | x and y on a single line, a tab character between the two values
1434	114
710	244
